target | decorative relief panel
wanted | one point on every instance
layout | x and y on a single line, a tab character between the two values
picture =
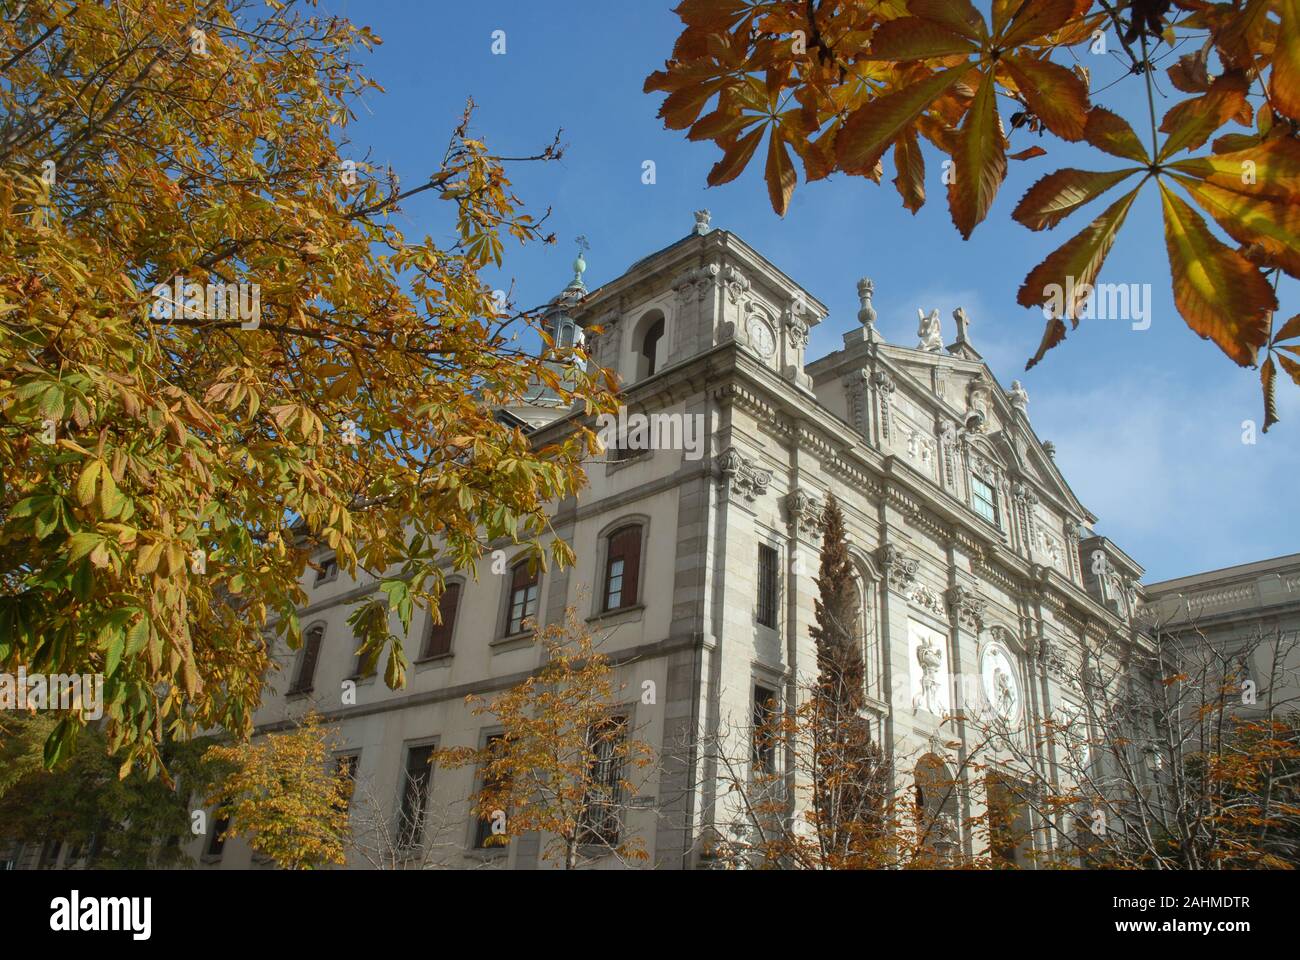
928	669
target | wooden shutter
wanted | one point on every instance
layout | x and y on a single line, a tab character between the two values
625	545
439	641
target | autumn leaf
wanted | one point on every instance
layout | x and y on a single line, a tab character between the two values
910	165
980	163
872	127
1220	294
1059	194
780	173
1073	267
1284	84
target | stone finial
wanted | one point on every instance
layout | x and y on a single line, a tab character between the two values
929	332
702	218
866	312
1049	448
1019	397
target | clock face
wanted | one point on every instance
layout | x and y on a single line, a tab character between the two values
760	337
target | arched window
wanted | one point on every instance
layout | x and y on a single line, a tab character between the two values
437	641
523	597
650	337
936	806
307	659
623	567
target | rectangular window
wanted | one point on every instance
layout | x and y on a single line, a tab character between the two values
523	598
328	572
217	839
302	682
984	500
601	823
767	585
415	795
765	736
346	764
437	642
622	568
484	838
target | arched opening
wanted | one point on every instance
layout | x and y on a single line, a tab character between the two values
936	808
648	344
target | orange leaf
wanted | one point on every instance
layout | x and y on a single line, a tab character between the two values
1190	123
911	171
1112	133
873	126
1268	380
913	38
1269	227
1064	278
1289	329
1284	85
780	173
1056	95
1037	19
981	161
1291	367
1220	294
1059	194
958	15
735	158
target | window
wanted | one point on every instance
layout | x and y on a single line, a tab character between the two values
600	812
523	597
622	568
437	642
484	838
217	839
415	795
984	500
648	359
303	680
328	572
765	737
1009	830
346	764
767	585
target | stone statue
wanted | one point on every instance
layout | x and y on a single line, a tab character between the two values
929	332
1018	396
1005	697
963	322
702	222
930	659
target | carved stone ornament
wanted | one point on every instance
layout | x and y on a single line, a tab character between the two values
805	512
740	477
899	569
796	328
698	281
967	607
736	282
928	600
884	386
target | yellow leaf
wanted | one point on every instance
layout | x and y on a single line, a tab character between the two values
1219	293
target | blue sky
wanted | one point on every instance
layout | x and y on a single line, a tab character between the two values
1147	424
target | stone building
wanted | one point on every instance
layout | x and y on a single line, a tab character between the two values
697	544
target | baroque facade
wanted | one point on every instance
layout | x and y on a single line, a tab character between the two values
980	579
982	586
